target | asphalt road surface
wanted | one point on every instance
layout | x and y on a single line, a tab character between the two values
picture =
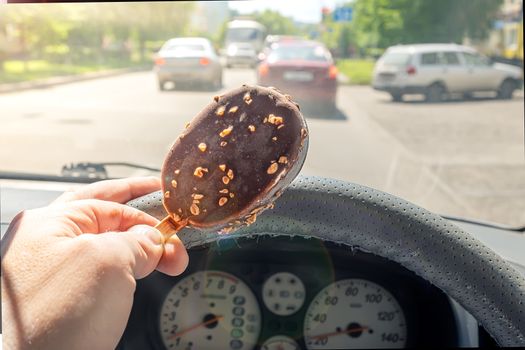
463	158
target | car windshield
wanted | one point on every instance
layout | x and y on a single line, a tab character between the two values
295	52
422	99
241	34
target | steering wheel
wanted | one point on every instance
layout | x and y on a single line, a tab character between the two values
382	224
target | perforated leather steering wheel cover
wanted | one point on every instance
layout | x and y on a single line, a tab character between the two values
377	222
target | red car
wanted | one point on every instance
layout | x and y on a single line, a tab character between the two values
303	69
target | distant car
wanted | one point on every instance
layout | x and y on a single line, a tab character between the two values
304	69
188	60
437	70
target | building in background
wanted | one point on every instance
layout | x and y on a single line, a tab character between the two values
512	30
210	15
505	42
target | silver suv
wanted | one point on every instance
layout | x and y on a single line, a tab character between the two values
438	70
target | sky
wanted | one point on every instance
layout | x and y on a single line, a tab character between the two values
299	10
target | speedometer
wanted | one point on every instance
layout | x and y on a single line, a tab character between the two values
210	310
354	313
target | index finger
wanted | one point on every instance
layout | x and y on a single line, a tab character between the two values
120	190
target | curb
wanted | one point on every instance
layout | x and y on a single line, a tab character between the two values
343	79
54	81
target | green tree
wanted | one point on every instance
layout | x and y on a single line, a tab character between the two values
378	23
96	31
381	23
276	23
37	28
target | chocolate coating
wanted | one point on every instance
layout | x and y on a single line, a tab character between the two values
235	158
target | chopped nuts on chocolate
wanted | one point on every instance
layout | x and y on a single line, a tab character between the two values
197	196
224	190
194	209
230	174
220	111
174	183
247	98
283	160
202	147
199	171
233	109
223	201
272	168
272	119
251	219
222	167
225	180
167	194
226	131
223	143
251	128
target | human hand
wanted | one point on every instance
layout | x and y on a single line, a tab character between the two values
69	269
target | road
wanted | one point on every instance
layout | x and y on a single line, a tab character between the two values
463	158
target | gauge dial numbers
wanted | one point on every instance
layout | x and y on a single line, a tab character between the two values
354	313
280	342
210	310
283	293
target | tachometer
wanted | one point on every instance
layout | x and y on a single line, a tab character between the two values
210	310
354	313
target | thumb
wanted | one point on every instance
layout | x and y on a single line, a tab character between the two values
141	247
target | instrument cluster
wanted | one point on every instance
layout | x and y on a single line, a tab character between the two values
216	309
264	295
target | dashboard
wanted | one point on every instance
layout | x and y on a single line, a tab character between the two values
282	293
279	292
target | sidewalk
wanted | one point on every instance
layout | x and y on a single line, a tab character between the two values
48	82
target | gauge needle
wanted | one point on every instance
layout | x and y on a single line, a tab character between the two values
347	331
201	324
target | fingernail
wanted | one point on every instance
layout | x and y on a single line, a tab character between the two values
153	234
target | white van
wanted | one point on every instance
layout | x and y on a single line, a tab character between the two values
437	70
244	41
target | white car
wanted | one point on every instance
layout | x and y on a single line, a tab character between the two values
188	60
437	70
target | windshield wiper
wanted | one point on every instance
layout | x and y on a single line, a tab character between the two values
82	172
98	170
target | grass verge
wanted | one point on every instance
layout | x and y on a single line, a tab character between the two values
359	72
18	71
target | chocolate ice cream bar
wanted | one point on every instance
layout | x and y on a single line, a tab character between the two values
234	159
